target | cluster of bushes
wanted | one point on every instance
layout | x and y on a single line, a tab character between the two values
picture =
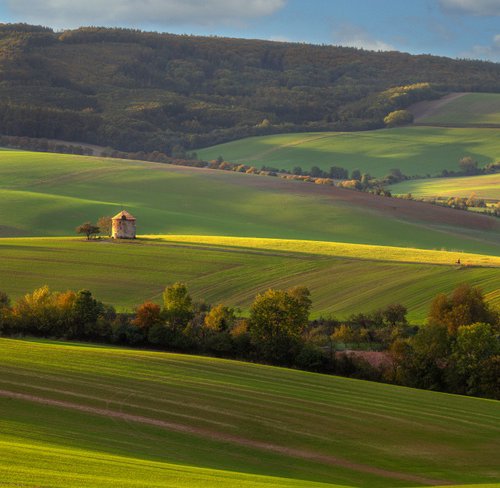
44	313
365	182
398	118
457	351
464	203
459	203
371	331
470	167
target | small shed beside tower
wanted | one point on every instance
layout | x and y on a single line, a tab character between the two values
123	226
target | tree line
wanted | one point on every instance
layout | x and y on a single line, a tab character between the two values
457	350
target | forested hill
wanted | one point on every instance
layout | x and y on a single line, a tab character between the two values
135	90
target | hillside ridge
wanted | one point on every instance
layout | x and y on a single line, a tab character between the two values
144	91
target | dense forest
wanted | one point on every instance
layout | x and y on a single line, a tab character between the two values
141	91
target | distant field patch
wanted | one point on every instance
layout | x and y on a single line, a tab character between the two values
470	109
484	186
413	150
343	279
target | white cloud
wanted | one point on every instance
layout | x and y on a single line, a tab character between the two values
490	52
474	7
74	13
351	35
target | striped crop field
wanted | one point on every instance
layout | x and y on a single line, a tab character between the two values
79	415
343	278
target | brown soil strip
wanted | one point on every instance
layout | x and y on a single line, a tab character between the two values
406	210
219	436
394	207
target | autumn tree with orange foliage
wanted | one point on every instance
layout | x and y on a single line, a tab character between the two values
147	315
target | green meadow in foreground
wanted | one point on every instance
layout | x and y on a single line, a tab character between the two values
484	186
50	194
413	150
469	109
80	415
343	278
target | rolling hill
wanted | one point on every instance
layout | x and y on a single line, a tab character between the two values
413	150
49	195
343	278
76	415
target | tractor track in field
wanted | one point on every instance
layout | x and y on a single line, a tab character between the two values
271	150
422	110
223	437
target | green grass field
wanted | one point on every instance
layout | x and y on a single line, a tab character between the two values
467	110
484	186
414	150
343	279
50	194
79	415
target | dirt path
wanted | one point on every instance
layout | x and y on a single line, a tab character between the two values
219	436
421	110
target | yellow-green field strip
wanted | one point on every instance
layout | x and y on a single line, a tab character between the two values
339	249
484	186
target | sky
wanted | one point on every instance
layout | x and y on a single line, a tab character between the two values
454	28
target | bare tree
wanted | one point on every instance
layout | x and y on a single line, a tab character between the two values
88	229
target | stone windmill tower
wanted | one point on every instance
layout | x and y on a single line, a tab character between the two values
123	226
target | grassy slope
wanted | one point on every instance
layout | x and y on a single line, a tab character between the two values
233	408
343	279
484	186
47	465
469	109
49	194
414	150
